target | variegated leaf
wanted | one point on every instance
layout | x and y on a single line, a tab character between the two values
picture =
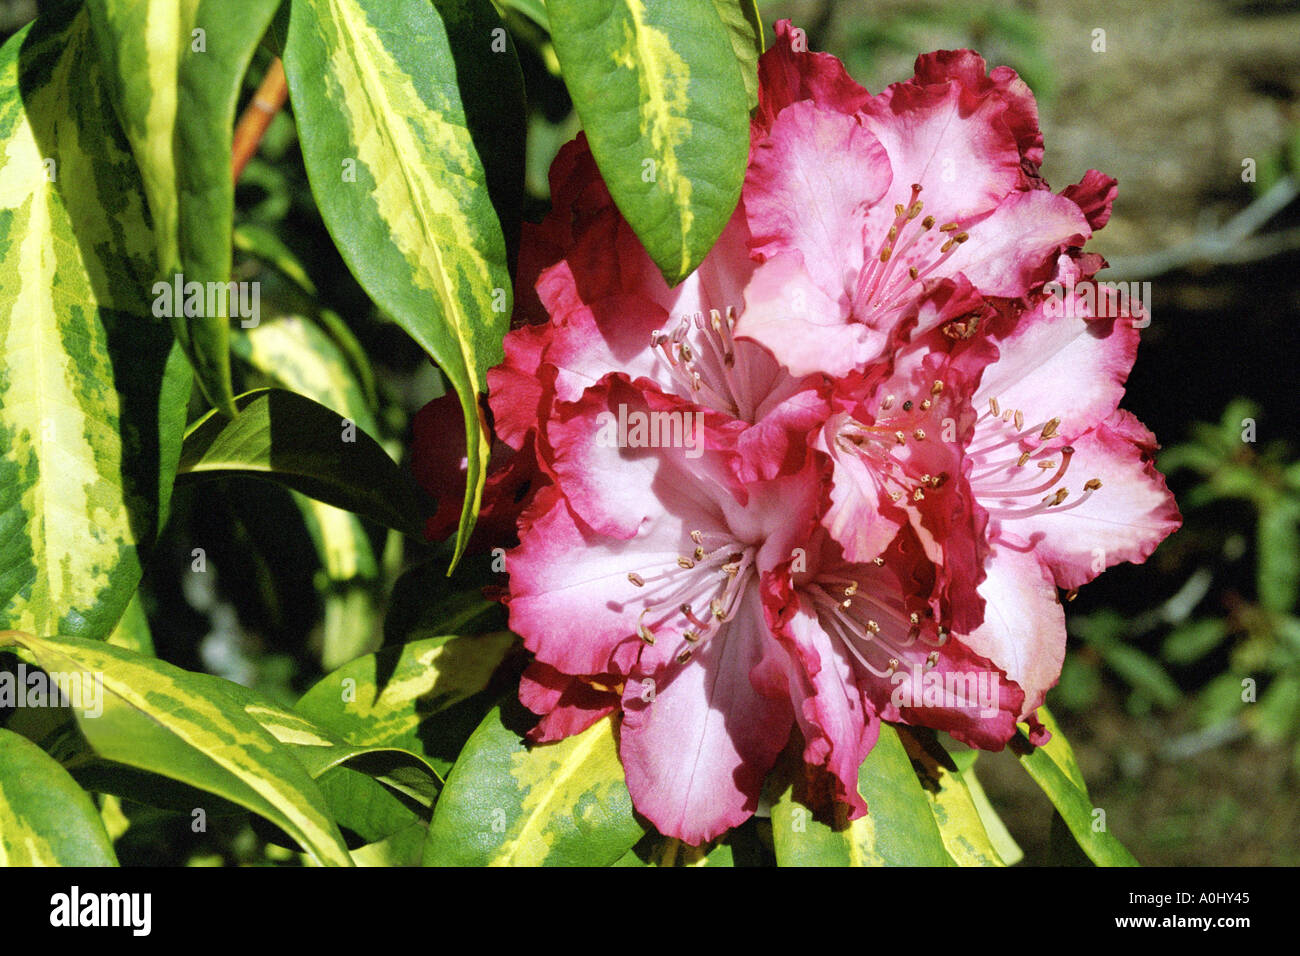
1055	770
662	99
45	818
508	804
92	388
897	830
403	696
160	719
399	177
174	69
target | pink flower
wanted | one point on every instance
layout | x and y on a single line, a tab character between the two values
819	484
858	204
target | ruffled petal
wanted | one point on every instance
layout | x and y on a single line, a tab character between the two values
1024	624
789	73
1124	518
810	181
1052	365
567	705
696	755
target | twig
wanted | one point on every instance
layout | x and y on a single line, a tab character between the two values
257	116
1234	242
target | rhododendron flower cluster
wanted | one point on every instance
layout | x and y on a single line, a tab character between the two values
858	455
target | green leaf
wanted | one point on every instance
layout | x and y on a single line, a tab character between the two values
364	807
263	244
952	803
1057	774
1278	553
1191	641
93	388
899	828
1003	843
399	178
162	720
405	696
132	632
174	72
284	437
745	30
662	99
508	804
293	353
45	818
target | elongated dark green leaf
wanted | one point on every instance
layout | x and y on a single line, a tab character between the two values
92	386
362	806
899	828
560	804
408	696
290	439
45	818
291	352
162	720
662	99
745	30
1278	572
1057	774
397	172
174	71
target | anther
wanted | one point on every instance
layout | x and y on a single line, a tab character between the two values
936	388
919	434
1049	430
878	562
1092	484
1020	420
643	632
993	407
1045	465
685	563
636	579
684	656
1071	594
907	405
1020	462
900	438
691	636
697	537
927	222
